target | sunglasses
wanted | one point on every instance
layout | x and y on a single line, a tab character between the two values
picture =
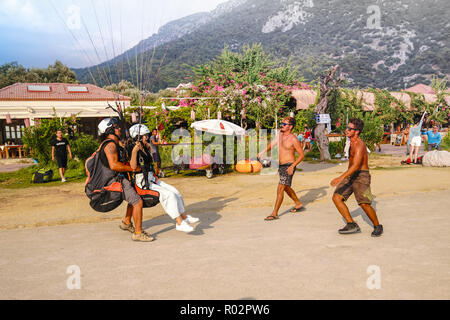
350	129
285	124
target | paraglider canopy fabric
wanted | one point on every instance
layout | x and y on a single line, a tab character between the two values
218	127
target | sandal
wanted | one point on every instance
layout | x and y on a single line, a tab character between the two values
295	210
271	218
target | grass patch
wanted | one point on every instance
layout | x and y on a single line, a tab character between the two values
378	168
379	155
445	144
22	178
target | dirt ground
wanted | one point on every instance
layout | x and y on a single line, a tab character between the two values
234	253
67	203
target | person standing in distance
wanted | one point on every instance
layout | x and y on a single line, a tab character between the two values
356	180
155	143
434	139
60	148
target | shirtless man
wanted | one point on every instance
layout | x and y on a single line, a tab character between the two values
288	144
356	180
113	158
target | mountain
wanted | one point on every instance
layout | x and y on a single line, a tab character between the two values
384	44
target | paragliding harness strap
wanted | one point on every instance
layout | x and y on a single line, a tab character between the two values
149	197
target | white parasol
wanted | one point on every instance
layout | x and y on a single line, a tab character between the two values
218	127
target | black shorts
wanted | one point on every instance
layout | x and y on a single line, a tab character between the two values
62	162
285	178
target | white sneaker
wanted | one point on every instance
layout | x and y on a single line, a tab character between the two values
192	220
63	180
184	227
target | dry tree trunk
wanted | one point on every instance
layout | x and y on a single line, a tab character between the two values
327	85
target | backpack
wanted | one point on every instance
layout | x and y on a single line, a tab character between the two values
42	176
103	186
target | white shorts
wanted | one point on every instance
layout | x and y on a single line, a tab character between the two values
416	141
170	198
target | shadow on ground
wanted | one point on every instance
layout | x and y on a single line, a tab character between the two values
206	211
360	213
311	196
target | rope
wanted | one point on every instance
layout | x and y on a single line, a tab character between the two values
76	41
111	33
101	34
96	52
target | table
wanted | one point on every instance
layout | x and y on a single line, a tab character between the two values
13	147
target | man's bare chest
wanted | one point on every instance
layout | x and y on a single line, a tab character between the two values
286	144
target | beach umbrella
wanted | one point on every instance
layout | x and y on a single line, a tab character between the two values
218	127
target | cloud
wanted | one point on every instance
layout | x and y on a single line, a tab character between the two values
42	27
22	14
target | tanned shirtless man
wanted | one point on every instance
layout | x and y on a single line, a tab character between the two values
288	144
356	180
113	158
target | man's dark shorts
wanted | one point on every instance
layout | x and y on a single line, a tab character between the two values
129	193
62	162
285	178
359	184
432	146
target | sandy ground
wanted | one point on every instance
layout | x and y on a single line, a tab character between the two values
234	253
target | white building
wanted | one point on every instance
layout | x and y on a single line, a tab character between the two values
23	103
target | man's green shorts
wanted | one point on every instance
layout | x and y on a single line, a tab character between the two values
359	184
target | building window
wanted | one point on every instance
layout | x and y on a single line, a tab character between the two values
13	133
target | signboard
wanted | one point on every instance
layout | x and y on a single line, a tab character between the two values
323	118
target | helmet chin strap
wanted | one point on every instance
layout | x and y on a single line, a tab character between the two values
113	133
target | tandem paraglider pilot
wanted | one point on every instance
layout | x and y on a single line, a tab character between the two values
112	157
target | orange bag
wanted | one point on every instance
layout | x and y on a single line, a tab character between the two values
247	166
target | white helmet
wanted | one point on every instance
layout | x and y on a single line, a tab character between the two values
139	129
106	124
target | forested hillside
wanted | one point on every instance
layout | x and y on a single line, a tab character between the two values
406	43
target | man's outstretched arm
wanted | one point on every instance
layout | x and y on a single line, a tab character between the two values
269	147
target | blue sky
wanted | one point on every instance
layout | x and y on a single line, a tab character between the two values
37	32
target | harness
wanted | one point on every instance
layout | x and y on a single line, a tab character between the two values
103	185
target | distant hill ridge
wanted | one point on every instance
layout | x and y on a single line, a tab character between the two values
410	45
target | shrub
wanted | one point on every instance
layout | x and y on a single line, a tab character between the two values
337	147
445	144
83	146
373	130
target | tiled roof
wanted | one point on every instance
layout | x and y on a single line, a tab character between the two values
421	88
58	91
